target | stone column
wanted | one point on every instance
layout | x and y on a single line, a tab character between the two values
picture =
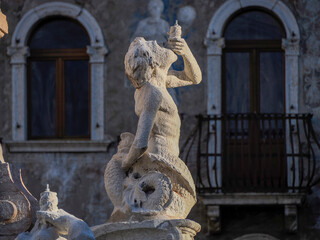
97	55
291	47
214	53
19	94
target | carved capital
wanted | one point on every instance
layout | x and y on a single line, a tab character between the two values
97	53
215	45
291	46
18	54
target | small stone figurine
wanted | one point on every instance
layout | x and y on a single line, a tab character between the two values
56	224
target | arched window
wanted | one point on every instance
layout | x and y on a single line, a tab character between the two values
253	64
58	81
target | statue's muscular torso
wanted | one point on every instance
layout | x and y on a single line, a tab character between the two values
165	132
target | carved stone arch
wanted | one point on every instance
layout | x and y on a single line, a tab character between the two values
222	15
256	236
19	51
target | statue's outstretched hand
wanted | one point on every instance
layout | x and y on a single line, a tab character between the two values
179	46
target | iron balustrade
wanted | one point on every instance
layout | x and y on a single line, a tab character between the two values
249	152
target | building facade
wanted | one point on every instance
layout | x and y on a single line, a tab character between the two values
247	134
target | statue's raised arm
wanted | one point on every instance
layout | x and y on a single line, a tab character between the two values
191	73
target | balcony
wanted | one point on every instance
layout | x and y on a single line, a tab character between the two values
253	159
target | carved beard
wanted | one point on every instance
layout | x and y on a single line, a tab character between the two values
142	70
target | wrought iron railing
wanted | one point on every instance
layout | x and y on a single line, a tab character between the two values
253	153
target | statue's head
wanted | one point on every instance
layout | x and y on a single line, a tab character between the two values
48	200
155	8
142	59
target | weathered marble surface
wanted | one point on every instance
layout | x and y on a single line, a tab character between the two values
182	229
146	179
56	224
156	187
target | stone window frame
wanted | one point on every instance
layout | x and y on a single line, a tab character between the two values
19	51
215	42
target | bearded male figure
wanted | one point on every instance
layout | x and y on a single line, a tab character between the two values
146	179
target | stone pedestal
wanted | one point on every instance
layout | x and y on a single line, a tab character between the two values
177	229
